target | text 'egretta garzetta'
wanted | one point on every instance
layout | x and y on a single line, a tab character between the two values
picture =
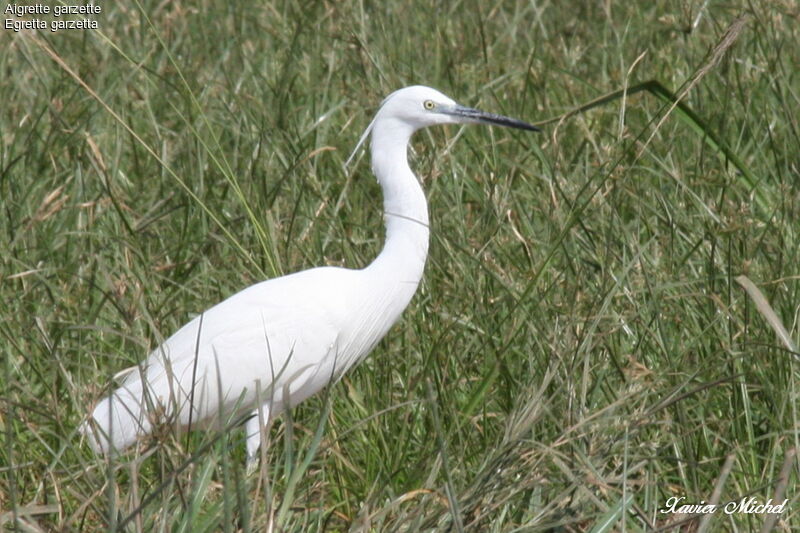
274	344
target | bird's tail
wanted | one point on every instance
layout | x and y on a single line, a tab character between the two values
117	421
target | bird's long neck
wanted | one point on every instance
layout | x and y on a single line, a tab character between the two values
405	209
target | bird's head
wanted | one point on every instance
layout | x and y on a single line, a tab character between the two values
419	106
406	110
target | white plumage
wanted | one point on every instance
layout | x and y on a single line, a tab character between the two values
274	344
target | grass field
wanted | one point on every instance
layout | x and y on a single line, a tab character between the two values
582	347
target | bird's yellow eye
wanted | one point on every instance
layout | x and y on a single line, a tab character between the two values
429	105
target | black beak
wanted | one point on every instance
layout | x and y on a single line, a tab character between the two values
476	116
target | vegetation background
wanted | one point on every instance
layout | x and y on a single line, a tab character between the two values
580	350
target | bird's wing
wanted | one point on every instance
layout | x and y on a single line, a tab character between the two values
272	344
241	353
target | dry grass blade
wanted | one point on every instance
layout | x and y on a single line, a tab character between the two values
725	43
780	489
767	312
705	522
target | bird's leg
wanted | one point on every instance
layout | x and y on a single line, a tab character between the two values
254	427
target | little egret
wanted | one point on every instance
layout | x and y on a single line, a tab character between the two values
274	344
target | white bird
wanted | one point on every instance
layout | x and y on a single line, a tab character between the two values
274	344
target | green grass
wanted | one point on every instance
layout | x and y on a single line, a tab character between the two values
579	350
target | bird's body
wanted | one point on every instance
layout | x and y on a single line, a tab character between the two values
274	344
